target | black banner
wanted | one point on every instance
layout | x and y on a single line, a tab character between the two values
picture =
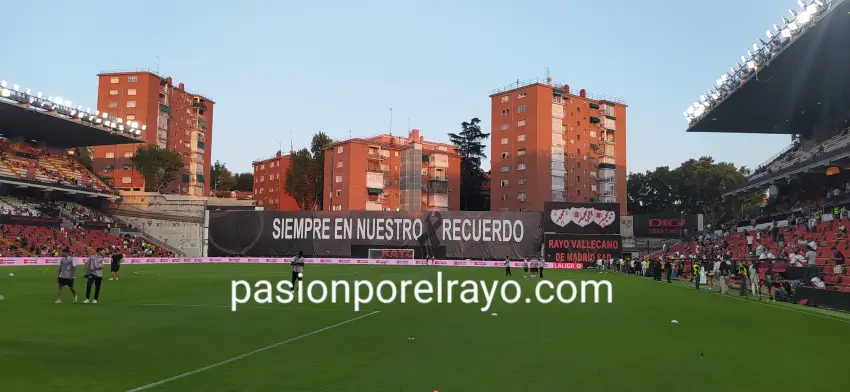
28	221
578	248
581	218
453	235
824	298
664	226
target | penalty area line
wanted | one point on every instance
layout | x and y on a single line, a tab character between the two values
248	354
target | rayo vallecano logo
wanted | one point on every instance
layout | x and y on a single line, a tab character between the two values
582	216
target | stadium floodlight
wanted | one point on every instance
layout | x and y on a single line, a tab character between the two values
715	96
793	14
819	3
751	65
768	34
786	33
120	120
792	26
144	127
88	110
5	93
3	83
28	91
812	9
98	120
38	95
16	87
134	124
104	115
801	3
138	132
106	123
120	127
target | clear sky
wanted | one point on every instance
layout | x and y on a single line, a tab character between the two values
281	67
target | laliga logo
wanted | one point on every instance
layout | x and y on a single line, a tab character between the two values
674	223
582	217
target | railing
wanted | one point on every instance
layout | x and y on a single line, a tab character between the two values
770	160
549	82
374	155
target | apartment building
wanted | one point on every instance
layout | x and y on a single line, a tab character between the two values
391	173
270	184
548	144
174	118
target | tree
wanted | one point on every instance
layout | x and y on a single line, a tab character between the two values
695	187
299	184
222	178
84	156
469	144
244	182
159	166
320	142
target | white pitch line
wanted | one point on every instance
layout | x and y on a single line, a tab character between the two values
768	304
228	307
259	350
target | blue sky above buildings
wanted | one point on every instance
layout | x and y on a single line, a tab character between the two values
277	68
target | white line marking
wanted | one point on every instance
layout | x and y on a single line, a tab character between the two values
259	350
228	307
767	304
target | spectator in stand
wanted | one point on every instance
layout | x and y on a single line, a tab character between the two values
838	259
811	256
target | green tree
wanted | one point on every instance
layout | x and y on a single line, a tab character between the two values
320	142
695	187
158	166
244	182
299	183
222	178
469	143
84	156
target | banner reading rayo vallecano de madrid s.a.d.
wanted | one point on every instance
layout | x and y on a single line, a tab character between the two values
460	235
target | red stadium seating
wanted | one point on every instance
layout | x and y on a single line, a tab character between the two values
41	166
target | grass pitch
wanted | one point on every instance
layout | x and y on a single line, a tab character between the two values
170	328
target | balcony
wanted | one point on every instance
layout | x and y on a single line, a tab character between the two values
371	168
607	179
438	187
164	108
374	206
385	168
375	180
375	156
438	201
438	160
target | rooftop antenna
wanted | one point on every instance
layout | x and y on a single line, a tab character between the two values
408	122
291	149
391	121
349	133
548	79
280	146
157	65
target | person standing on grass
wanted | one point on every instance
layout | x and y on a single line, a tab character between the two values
742	277
696	273
541	263
725	269
67	275
525	267
94	272
297	269
507	266
115	265
669	270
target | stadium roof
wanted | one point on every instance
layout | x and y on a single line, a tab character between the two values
22	121
801	80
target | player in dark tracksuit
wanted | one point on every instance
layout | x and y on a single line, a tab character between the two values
507	266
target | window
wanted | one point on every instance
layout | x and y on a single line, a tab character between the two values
505	98
521	181
131	117
520	166
113	92
505	140
131	91
131	104
110	155
505	127
521	123
520	138
339	149
339	193
520	196
578	110
107	168
592	133
505	155
113	105
132	79
128	154
521	95
114	80
338	163
504	197
503	183
504	169
520	152
126	167
593	187
338	178
521	109
506	112
126	180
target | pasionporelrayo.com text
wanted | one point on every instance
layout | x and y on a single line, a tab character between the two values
364	292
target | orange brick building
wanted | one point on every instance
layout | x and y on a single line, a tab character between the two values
270	184
391	173
174	118
548	144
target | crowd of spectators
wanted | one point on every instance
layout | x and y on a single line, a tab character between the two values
40	165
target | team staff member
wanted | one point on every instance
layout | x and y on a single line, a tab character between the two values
541	263
94	272
67	274
507	266
297	269
115	265
742	276
697	272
